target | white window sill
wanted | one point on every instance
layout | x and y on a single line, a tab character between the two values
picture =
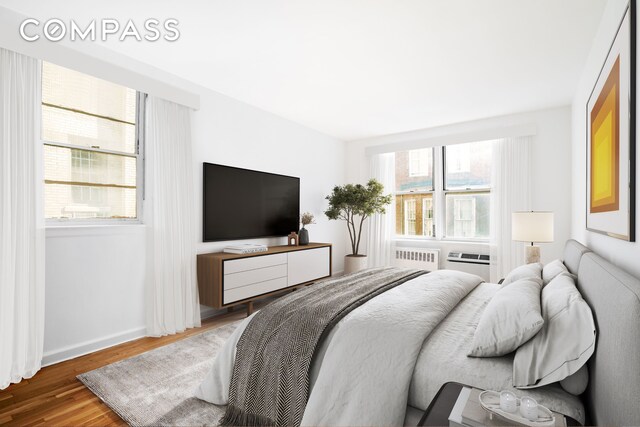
433	241
83	230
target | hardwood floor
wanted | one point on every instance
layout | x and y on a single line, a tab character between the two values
54	397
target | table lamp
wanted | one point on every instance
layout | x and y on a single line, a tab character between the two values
532	227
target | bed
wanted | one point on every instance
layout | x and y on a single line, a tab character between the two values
614	370
338	379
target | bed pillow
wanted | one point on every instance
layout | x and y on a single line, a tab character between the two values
524	272
511	318
553	269
566	340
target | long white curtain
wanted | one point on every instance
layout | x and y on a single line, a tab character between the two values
172	293
21	220
380	231
510	192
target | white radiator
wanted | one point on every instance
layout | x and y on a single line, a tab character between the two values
425	259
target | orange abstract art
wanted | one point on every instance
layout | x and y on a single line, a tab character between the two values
605	146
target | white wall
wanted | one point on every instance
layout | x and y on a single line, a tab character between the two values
551	157
230	132
619	252
95	276
94	289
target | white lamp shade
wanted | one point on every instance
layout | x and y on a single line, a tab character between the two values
532	226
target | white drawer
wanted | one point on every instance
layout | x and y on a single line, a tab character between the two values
250	291
307	265
251	263
249	277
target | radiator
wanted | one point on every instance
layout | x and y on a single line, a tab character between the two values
425	259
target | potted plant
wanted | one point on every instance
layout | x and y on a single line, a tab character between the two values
354	204
306	218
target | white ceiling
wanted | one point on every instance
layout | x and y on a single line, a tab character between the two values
361	68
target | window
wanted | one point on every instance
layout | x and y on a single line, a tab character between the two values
467	215
91	147
467	182
454	207
414	192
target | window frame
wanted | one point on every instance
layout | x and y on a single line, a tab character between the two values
429	191
439	192
485	189
138	155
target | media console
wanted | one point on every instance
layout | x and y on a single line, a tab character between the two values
227	280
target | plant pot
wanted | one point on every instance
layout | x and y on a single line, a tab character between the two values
353	263
303	237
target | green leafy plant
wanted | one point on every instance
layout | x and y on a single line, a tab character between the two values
354	203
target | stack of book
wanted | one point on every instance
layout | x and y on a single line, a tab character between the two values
467	412
247	248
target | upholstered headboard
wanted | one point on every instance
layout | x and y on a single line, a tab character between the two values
614	370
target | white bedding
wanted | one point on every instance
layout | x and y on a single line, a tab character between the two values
444	358
378	353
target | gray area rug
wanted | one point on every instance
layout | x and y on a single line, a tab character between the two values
157	387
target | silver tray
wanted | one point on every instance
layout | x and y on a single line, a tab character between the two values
490	402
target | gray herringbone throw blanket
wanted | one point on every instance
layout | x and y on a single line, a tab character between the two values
270	380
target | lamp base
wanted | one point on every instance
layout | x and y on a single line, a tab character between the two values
531	254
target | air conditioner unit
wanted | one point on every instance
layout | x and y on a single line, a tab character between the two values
424	259
468	258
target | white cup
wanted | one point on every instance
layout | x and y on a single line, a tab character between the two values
529	408
508	401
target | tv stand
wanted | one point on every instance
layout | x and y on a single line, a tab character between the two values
226	280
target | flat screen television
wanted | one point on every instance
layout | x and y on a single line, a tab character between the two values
242	203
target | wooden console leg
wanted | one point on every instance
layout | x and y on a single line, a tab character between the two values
249	308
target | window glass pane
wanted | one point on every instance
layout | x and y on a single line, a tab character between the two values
87	184
87	115
73	128
414	214
414	170
468	165
77	165
467	215
75	201
71	89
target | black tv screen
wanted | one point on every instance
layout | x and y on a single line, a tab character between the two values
242	203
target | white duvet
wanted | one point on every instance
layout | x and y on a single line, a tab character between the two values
362	372
388	350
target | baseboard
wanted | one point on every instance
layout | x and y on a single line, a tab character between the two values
71	352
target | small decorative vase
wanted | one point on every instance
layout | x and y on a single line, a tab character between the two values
303	237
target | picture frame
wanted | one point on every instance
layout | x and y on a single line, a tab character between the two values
611	137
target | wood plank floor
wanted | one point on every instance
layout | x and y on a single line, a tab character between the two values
54	397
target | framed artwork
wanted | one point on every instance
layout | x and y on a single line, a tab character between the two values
611	137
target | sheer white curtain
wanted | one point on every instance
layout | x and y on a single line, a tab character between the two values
21	220
510	192
381	226
172	293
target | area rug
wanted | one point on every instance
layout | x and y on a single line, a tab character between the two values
157	387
